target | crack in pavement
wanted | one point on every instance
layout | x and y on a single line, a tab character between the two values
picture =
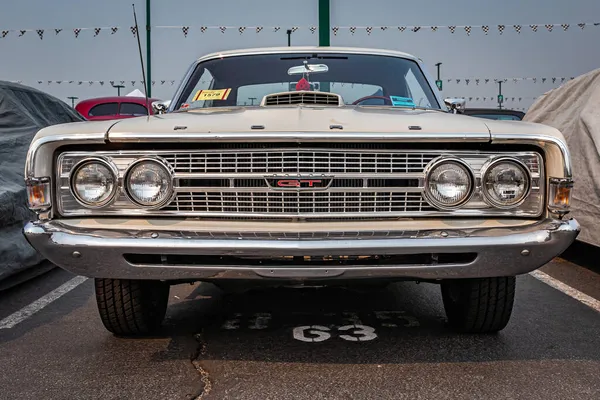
204	376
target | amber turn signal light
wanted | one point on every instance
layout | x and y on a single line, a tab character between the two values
559	195
38	193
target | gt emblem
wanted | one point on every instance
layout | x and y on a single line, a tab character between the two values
299	183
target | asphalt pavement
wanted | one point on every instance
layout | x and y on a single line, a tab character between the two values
307	343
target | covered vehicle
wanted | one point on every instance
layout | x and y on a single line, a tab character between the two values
309	165
23	112
574	108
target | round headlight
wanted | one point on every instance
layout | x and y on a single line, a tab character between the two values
149	183
505	183
94	183
448	183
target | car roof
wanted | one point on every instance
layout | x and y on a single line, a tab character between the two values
303	49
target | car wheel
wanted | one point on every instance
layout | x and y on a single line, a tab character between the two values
131	307
479	305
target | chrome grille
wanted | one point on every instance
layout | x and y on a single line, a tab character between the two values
299	162
364	183
319	98
294	203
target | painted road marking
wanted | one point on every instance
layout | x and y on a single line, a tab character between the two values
319	333
28	311
566	289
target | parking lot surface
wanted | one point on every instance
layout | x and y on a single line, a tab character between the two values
308	343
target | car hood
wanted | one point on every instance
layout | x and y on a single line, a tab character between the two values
299	121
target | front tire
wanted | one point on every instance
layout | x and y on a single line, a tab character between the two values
481	305
131	307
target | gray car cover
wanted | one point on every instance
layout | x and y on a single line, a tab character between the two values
23	112
574	109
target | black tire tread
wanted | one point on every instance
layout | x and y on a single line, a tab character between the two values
131	307
483	306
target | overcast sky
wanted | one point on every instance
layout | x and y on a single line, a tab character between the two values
114	57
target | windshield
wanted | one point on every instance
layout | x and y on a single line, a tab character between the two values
367	80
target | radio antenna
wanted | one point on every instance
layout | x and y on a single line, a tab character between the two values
137	31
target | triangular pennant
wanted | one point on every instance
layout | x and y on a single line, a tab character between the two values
515	80
534	28
401	28
133	83
369	30
40	82
76	31
501	28
162	82
517	28
172	83
581	25
467	81
101	83
58	82
185	30
416	29
565	27
353	30
241	29
153	83
97	31
458	81
477	98
122	82
553	80
259	29
487	80
452	28
383	28
80	82
534	80
485	29
477	81
203	29
112	83
222	29
313	29
91	82
543	80
114	30
49	82
4	33
71	82
470	99
562	80
468	30
520	98
549	27
276	28
133	30
57	31
335	30
434	29
40	33
22	32
294	29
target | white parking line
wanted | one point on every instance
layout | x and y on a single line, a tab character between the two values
28	311
568	290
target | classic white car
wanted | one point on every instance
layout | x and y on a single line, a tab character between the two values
301	166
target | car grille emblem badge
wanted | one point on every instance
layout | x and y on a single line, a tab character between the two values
298	182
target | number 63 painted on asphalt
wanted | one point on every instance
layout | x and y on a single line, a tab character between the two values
318	333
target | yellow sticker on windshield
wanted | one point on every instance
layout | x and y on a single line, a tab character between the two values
220	94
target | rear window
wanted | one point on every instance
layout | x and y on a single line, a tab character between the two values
132	109
501	117
104	109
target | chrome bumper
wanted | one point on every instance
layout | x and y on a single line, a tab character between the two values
103	252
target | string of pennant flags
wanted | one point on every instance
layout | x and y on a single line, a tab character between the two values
186	30
495	98
162	82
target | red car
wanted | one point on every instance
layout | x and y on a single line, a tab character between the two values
117	107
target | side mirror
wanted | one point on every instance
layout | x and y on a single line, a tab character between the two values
160	107
455	105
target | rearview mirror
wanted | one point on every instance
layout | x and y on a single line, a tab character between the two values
160	107
455	105
308	69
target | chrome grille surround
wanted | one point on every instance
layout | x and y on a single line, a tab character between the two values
367	183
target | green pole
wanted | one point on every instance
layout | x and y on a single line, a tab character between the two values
148	53
324	23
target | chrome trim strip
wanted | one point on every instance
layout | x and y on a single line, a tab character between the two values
101	252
